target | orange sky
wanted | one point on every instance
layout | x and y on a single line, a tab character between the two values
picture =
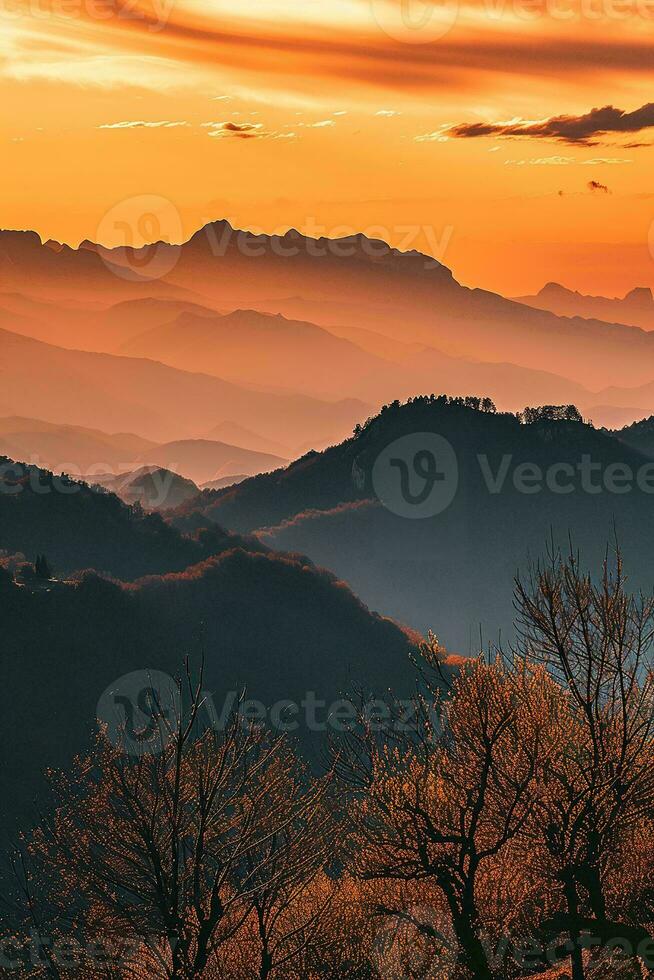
338	115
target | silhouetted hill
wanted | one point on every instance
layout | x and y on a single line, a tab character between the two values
517	485
78	527
152	487
273	624
639	435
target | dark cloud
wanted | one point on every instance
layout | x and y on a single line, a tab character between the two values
594	186
590	129
233	127
243	131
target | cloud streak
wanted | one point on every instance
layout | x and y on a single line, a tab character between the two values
140	124
591	129
463	59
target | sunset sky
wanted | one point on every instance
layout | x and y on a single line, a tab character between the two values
438	128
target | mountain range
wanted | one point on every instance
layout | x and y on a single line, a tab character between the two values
219	361
636	308
351	321
153	400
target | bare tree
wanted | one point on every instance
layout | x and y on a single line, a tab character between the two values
176	849
438	803
596	640
289	907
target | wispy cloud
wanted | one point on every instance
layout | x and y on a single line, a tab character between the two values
141	124
560	161
439	135
605	161
554	161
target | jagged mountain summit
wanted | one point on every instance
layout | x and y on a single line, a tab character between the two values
636	308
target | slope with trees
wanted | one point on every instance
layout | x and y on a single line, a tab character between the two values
506	833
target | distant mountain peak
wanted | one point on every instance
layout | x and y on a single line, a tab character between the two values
640	296
556	289
221	236
220	226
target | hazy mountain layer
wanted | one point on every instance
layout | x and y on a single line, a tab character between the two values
155	401
636	308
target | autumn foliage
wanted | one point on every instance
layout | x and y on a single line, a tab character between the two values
505	832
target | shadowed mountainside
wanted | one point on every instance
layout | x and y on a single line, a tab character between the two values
451	571
152	487
639	435
79	527
272	624
270	621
